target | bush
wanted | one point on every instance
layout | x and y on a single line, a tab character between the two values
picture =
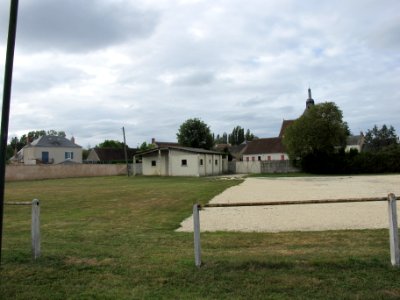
384	161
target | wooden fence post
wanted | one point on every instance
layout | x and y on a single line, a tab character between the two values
393	231
196	233
35	229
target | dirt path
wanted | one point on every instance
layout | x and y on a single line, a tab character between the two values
301	217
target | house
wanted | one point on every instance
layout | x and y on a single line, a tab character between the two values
50	149
182	161
157	144
265	149
109	155
355	142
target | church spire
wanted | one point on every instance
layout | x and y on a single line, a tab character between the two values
310	100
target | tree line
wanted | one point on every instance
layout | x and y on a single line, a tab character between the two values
316	143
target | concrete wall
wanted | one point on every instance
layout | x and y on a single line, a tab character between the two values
264	157
256	167
36	172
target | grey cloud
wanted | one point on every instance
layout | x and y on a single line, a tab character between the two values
44	78
195	79
77	26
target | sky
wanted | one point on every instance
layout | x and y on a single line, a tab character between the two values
91	67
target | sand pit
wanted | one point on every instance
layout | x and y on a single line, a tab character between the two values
311	217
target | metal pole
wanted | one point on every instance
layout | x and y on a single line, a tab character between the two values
126	153
5	113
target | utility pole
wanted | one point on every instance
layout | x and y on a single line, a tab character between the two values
126	152
5	113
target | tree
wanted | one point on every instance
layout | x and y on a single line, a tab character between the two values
378	139
195	133
111	144
249	136
319	131
144	146
238	136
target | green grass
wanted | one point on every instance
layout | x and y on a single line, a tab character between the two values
114	238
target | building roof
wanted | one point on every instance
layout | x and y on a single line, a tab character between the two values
355	140
166	144
53	141
186	149
113	154
268	145
285	125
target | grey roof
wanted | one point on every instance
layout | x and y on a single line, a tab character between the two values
53	141
187	149
354	140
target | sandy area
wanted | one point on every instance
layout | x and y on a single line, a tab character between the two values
301	217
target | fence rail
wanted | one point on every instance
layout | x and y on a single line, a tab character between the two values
35	225
390	199
295	202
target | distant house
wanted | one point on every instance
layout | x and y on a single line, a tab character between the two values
265	150
109	155
50	149
157	144
355	142
235	152
182	161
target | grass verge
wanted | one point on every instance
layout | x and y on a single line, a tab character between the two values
114	238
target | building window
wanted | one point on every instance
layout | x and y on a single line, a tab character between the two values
153	163
201	162
69	155
253	158
209	161
247	158
269	157
216	162
259	158
184	162
282	157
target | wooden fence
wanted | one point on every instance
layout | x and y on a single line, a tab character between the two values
393	226
35	225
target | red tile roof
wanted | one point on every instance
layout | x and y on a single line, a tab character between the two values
285	125
268	145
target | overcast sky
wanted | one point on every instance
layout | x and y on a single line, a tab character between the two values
91	67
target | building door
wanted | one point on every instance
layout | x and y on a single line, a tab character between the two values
45	157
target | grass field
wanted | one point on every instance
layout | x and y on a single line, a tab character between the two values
114	238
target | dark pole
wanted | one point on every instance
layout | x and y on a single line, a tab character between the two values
126	153
5	113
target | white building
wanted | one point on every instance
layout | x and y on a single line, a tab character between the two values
50	149
182	161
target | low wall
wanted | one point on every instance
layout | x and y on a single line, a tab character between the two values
14	173
257	167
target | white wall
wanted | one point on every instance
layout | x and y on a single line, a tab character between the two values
160	169
171	164
56	155
264	156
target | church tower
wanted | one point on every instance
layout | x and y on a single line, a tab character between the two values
310	101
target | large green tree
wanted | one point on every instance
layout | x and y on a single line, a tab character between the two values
111	144
320	130
195	133
378	139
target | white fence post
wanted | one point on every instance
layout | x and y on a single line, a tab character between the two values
196	233
393	231
35	229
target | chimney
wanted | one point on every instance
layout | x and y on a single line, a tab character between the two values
73	139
